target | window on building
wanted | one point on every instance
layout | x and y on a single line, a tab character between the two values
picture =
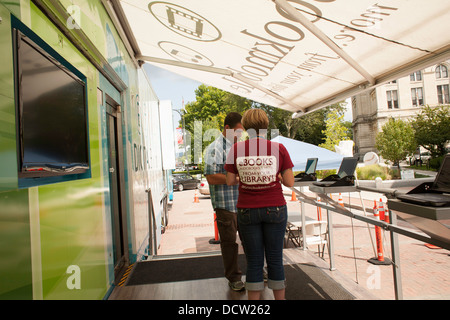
417	96
392	99
416	76
443	94
441	71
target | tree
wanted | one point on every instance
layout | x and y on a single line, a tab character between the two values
336	129
396	141
432	129
280	120
209	103
212	103
311	127
204	118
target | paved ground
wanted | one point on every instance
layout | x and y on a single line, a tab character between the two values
425	272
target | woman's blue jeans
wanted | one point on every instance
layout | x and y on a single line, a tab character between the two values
262	232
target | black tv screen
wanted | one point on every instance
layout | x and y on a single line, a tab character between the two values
52	114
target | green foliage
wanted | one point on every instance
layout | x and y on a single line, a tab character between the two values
435	163
432	129
311	126
371	172
396	141
320	174
206	115
394	174
335	131
209	103
324	173
213	105
193	173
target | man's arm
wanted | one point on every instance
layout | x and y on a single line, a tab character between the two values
213	172
217	178
232	179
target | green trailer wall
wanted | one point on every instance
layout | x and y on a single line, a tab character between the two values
52	234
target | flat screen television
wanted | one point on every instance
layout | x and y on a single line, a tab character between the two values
51	111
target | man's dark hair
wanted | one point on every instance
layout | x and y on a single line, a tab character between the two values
232	119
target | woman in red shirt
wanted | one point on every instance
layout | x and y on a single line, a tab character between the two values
259	166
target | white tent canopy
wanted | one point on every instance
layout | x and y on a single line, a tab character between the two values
293	54
300	152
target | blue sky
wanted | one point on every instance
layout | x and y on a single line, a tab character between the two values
170	86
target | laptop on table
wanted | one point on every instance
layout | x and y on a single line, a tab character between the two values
344	177
310	171
432	194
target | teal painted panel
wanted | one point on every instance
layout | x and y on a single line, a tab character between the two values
6	52
8	146
15	246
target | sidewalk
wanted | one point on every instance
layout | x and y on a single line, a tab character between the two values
425	272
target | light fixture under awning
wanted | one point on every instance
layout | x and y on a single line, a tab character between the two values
292	54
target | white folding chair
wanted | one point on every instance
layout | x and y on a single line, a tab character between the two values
293	233
316	232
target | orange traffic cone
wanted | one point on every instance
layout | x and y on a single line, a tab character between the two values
386	214
381	210
196	197
319	211
379	259
216	232
293	197
431	246
340	201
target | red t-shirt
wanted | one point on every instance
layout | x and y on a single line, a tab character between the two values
258	163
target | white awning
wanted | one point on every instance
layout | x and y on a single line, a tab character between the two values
292	54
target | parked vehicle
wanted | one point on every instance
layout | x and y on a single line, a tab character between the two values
204	188
184	181
421	156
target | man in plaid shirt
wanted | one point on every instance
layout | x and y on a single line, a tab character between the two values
224	198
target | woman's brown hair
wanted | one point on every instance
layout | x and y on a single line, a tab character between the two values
255	119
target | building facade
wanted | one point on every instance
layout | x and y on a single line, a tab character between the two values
400	99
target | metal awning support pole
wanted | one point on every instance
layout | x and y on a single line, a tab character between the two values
395	259
330	229
185	65
330	239
295	14
302	204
